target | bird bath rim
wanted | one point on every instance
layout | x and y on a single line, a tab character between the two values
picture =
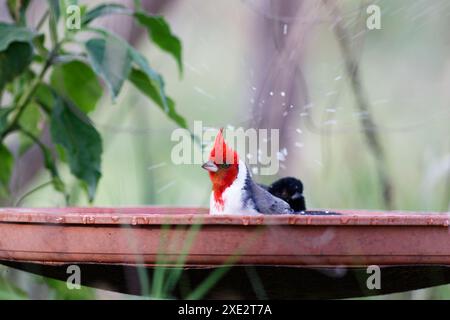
160	215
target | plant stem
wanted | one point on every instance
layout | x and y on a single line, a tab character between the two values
367	122
32	137
53	29
39	187
42	20
26	97
48	161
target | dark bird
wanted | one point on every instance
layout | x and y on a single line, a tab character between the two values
290	190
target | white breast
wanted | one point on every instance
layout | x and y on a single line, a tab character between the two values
232	197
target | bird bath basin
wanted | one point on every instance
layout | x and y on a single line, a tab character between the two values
295	256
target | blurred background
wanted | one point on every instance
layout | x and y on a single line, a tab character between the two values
363	114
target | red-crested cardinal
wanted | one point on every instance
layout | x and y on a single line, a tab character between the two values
233	189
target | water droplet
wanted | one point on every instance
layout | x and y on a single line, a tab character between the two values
299	131
330	123
331	110
271	93
338	78
156	166
285	114
299	145
380	101
282	93
303	114
281	156
285	29
255	170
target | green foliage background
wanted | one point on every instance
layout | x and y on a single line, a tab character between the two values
65	99
405	72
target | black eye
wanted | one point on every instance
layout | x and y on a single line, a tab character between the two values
225	165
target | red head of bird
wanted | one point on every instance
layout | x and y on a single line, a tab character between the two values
223	167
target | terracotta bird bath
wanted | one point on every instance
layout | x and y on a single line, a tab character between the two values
293	256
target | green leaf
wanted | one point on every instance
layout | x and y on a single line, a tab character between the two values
30	117
6	168
103	10
72	130
111	60
150	89
139	60
19	84
16	52
10	33
160	33
44	96
156	78
39	44
50	165
29	120
17	9
4	112
147	80
49	161
13	61
76	81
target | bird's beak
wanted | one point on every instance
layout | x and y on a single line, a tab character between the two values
296	196
210	166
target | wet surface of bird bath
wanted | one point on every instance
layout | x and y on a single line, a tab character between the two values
300	255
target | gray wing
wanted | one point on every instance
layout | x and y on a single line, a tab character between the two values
263	186
266	203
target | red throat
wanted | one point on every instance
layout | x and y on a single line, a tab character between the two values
224	177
